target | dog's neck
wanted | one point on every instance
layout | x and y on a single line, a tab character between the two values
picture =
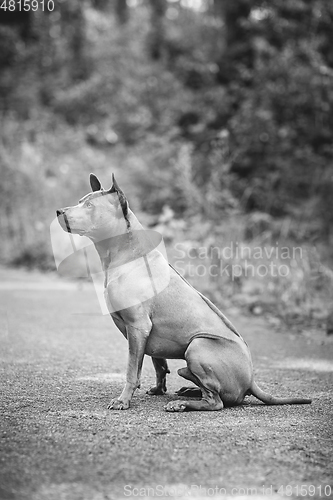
121	247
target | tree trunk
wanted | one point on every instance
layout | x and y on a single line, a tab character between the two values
238	47
157	33
122	11
78	43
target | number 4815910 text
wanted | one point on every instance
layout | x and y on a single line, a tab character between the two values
27	5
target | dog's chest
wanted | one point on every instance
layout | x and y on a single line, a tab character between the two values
119	324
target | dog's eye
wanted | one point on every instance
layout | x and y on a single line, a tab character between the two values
89	205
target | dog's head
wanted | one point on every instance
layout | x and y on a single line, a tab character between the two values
99	214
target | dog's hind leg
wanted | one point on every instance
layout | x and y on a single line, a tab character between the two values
189	392
161	368
200	371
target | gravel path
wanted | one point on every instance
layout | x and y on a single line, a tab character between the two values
61	362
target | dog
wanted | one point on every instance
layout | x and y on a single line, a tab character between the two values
160	313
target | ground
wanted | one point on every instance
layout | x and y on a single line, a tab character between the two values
61	363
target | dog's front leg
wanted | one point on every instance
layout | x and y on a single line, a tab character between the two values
137	338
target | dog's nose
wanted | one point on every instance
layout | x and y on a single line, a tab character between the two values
59	212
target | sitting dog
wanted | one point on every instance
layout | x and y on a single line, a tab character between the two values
160	313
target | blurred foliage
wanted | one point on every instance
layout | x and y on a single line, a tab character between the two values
213	108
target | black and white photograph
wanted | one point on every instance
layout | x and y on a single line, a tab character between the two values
166	255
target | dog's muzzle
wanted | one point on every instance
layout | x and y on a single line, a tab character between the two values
63	221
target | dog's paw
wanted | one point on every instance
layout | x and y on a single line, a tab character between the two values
156	391
176	406
117	404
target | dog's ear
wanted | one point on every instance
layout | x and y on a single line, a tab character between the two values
115	187
121	195
94	183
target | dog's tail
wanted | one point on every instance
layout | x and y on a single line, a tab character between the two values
271	400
